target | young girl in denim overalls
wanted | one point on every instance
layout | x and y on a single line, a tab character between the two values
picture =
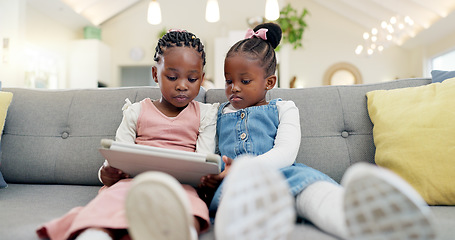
255	201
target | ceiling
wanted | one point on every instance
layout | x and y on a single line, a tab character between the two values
433	19
369	13
99	11
435	16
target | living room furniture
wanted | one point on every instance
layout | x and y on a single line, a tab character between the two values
50	142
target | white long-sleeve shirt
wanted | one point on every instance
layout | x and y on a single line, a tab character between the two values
205	143
287	140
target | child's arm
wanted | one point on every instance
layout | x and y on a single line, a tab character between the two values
212	181
126	132
109	175
206	142
284	152
287	140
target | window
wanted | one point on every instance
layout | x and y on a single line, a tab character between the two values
445	62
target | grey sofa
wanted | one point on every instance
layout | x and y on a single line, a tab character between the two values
50	158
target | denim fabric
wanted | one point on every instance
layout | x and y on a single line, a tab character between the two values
252	131
299	176
248	131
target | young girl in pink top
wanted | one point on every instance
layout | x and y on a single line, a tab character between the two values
174	121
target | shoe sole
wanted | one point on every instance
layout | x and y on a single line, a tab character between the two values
385	207
157	208
256	204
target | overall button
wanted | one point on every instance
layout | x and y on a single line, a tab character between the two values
243	136
345	134
65	135
242	115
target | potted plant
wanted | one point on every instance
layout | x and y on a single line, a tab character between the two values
293	25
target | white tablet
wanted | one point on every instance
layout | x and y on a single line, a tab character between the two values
186	167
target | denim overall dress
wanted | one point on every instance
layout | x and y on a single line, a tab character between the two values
252	131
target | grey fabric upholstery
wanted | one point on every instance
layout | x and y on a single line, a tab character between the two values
24	207
55	136
336	129
50	158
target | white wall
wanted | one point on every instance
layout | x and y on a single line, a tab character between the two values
130	29
89	63
50	40
328	39
441	46
38	43
12	22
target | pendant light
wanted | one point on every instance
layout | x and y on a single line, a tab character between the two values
212	11
272	10
154	13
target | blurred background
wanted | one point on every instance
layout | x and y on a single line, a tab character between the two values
61	44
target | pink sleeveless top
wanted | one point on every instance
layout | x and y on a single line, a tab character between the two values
158	130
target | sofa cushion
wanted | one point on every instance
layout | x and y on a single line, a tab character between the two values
26	207
413	132
439	76
64	129
5	100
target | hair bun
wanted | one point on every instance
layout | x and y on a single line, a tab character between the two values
273	34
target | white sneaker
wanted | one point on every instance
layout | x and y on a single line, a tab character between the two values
380	205
256	204
157	207
92	233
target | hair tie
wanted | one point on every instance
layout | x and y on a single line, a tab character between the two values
176	30
261	33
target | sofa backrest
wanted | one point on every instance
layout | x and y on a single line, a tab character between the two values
335	125
53	136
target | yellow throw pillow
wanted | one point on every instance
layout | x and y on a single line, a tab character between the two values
5	100
414	135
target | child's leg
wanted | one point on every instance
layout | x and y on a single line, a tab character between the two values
322	204
375	203
255	204
105	211
319	198
157	207
380	205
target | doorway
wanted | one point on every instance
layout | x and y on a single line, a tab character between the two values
133	76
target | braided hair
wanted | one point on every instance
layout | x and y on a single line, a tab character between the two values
263	50
178	38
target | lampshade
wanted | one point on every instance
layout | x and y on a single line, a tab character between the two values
154	13
272	10
212	12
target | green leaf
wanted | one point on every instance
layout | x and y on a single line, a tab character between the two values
293	25
292	37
